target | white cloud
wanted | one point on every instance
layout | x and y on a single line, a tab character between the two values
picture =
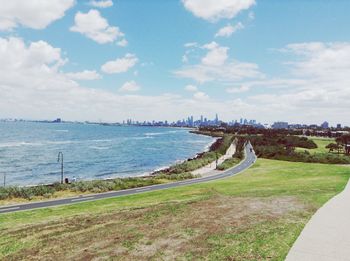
231	72
32	86
130	86
101	3
184	58
316	88
216	56
35	14
243	88
228	30
95	27
84	75
120	65
191	44
321	60
201	96
251	15
215	66
39	55
122	43
213	10
191	88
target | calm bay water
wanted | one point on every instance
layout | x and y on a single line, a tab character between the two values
28	151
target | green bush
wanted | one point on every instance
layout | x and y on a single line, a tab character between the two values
282	148
229	163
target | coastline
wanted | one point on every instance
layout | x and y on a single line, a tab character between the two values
206	149
147	174
116	152
176	172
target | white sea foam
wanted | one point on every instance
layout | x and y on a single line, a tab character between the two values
101	140
60	142
154	133
141	138
19	144
62	130
99	148
162	168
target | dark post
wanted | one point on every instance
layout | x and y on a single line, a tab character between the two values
216	161
4	179
60	157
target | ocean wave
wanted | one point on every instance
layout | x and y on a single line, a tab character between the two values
162	133
101	140
62	130
60	142
141	138
154	133
175	131
162	168
99	148
19	144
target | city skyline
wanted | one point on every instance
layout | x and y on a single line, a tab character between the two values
143	60
201	121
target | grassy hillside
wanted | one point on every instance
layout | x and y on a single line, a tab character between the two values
256	215
321	145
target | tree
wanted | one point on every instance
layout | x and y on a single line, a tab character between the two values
334	147
344	141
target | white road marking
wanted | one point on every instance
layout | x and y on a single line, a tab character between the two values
6	209
80	199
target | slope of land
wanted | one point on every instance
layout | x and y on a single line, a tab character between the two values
256	215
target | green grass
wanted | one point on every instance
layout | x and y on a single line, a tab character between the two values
229	163
321	145
256	215
11	195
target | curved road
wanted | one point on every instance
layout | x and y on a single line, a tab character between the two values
243	165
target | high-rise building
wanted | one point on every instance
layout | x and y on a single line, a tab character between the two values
280	125
325	125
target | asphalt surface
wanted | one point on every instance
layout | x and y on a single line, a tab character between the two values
245	164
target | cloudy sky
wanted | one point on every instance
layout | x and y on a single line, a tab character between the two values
108	60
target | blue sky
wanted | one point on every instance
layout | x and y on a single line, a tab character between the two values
109	60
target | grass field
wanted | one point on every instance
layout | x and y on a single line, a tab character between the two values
256	215
321	145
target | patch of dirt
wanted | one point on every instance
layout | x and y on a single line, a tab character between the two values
166	231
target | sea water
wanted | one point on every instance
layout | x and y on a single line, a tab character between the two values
29	150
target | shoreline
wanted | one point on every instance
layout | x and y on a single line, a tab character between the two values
149	174
175	173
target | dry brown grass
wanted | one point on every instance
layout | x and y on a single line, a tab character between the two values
162	232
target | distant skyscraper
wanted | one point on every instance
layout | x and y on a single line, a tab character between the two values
216	119
325	125
280	125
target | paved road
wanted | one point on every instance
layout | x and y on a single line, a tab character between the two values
245	164
326	236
